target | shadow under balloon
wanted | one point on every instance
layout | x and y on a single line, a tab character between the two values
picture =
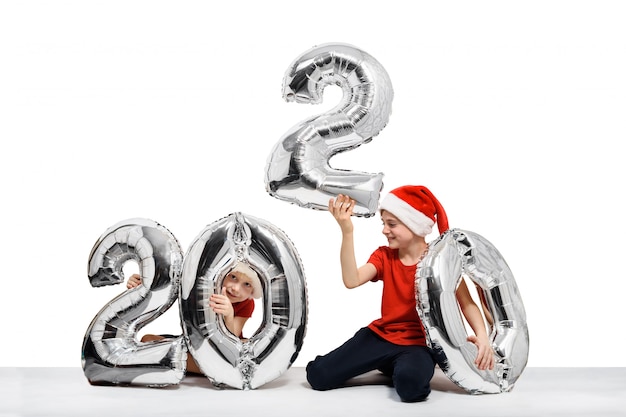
440	382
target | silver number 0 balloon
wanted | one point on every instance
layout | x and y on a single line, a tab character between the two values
223	357
298	170
458	253
111	354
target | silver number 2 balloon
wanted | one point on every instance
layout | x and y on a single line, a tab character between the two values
454	254
111	353
298	170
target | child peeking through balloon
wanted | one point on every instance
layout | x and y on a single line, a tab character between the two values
235	303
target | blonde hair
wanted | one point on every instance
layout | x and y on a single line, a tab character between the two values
245	269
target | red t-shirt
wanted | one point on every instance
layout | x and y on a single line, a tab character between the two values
244	308
400	323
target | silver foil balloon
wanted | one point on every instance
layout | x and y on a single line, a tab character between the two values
111	355
224	358
298	169
458	253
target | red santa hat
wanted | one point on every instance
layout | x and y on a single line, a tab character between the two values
417	208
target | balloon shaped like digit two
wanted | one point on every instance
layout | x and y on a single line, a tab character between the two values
111	354
458	253
298	170
224	358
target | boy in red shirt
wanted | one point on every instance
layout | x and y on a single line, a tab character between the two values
395	344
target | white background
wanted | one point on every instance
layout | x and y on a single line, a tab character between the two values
513	113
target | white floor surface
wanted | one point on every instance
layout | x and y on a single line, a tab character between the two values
65	392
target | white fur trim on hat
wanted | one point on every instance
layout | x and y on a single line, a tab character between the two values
418	222
257	289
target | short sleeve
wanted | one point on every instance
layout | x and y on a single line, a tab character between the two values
377	259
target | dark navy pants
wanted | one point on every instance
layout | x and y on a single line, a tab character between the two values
410	367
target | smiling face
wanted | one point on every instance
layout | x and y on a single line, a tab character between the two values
398	235
239	287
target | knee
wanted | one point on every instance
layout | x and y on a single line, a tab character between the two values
412	395
317	376
409	388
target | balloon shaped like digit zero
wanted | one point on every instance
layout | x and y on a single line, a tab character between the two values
111	355
298	170
224	358
458	253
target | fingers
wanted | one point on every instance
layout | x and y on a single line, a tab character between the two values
331	205
341	205
218	298
221	296
133	281
220	304
488	363
484	359
217	307
216	302
482	362
220	301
